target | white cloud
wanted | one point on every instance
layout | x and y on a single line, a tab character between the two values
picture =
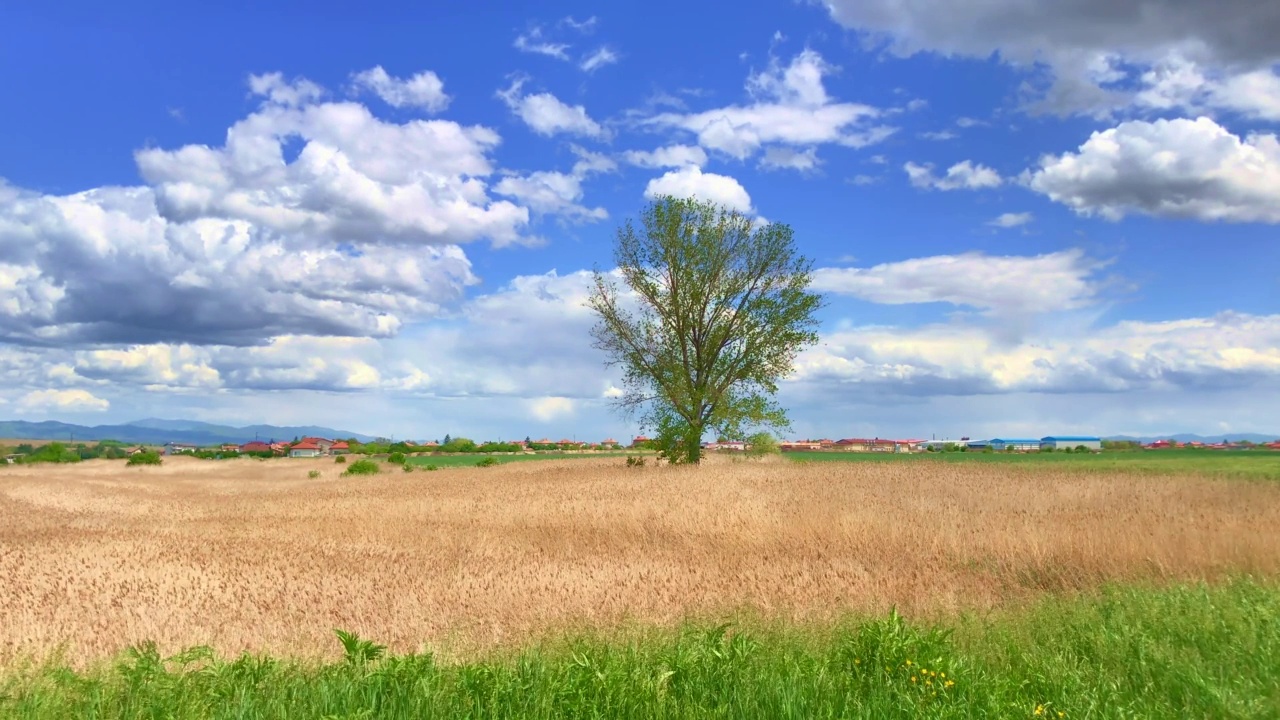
785	158
1011	220
546	115
791	107
282	92
692	182
76	400
1168	168
535	42
355	178
939	135
546	409
598	59
1216	353
676	156
424	90
1095	51
962	176
999	284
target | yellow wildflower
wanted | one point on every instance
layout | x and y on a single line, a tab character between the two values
913	678
908	663
1039	710
949	683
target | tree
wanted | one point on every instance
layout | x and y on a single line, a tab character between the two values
717	309
447	440
762	444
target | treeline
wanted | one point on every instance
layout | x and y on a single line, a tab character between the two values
57	452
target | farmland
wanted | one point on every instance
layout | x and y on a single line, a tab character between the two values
513	576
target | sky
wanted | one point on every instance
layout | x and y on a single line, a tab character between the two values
1026	219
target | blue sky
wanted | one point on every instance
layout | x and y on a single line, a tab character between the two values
1025	222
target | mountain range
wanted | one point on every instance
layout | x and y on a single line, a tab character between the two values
157	431
1188	437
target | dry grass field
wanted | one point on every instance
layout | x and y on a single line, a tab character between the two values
255	555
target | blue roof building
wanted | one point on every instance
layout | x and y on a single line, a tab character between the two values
1017	444
1062	442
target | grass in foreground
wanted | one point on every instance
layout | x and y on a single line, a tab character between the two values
1256	464
1191	651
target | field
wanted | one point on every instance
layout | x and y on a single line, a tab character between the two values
1051	575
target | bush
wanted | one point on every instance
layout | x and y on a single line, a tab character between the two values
430	468
487	462
362	467
635	461
408	467
762	444
313	474
396	458
340	460
146	458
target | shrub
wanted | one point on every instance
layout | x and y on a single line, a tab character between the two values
146	458
430	468
487	462
408	467
362	467
635	461
762	444
396	458
340	460
313	474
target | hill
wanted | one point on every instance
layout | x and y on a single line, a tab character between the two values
156	431
1190	437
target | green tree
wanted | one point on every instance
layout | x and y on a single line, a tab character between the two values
761	444
717	309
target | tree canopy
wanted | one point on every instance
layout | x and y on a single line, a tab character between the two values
715	308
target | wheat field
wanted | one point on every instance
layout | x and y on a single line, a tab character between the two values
252	555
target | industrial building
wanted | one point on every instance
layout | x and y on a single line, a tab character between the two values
1064	442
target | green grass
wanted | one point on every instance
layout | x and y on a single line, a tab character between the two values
1183	652
1261	464
470	460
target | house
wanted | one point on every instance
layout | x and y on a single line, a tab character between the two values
1065	442
609	444
257	446
800	445
174	448
305	449
134	450
733	445
871	445
639	440
229	447
1014	445
321	443
340	448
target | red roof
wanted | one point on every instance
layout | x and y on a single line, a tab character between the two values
255	446
306	445
341	445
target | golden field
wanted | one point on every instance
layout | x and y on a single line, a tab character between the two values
254	555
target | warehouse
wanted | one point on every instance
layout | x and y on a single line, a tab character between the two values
1065	442
1015	445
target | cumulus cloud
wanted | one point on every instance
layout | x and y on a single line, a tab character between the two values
545	114
676	156
790	107
961	176
1167	168
997	284
692	182
355	177
546	409
1214	353
1011	220
62	401
1095	51
424	90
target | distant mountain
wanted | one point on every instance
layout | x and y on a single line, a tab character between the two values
155	431
1189	437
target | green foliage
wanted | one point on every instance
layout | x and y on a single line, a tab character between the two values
396	458
635	461
487	462
340	460
458	445
761	444
407	467
1183	652
358	651
51	453
313	474
430	467
145	458
724	309
362	467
